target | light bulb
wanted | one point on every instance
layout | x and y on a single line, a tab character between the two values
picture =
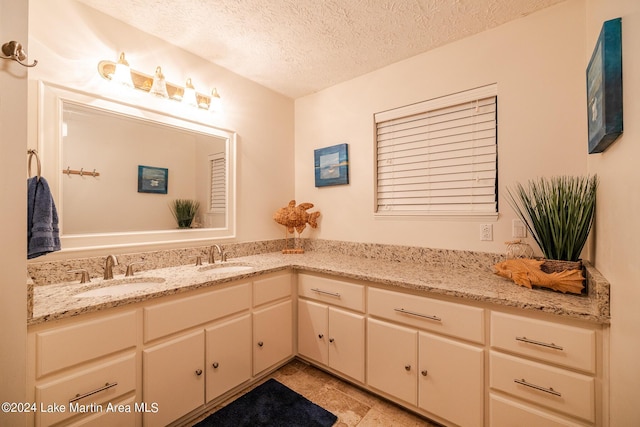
189	96
159	85
122	73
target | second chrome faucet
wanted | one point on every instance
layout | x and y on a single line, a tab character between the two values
108	266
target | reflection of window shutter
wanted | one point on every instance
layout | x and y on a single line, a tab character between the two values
438	157
218	200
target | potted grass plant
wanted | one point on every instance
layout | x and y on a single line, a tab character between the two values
558	212
184	211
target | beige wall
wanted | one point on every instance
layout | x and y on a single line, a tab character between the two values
69	39
13	219
617	243
538	65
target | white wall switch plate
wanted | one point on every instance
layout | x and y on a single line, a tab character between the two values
486	232
518	229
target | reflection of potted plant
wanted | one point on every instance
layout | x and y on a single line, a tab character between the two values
558	212
184	211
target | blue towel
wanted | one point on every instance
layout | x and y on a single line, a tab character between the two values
43	235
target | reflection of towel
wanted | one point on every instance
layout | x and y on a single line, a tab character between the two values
42	219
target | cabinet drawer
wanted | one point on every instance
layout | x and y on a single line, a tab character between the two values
439	316
554	388
335	292
271	289
167	318
88	340
551	342
100	384
504	412
118	417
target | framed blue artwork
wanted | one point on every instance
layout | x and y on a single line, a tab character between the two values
152	179
332	165
604	88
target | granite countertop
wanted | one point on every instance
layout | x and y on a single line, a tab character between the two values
467	282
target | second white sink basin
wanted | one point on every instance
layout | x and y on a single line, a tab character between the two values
225	268
122	287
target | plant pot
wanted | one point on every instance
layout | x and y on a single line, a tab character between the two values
185	222
556	266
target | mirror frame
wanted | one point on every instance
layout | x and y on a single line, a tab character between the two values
51	99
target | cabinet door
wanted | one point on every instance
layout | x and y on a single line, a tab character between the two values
272	335
392	359
313	331
173	378
228	356
451	375
346	343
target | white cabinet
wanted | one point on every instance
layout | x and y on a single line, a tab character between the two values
228	356
451	373
82	366
272	335
431	372
272	321
173	377
392	360
543	370
327	333
332	337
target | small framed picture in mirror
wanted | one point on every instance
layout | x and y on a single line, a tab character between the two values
152	179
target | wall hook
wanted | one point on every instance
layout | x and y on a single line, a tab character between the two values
13	50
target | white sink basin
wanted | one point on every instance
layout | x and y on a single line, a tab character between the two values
225	268
122	287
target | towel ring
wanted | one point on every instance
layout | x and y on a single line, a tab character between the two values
31	153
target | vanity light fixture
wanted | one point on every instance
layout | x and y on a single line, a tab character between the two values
122	72
157	85
189	96
216	102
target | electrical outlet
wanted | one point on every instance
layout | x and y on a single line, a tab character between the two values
486	232
518	229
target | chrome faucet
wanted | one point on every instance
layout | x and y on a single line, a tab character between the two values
223	256
108	266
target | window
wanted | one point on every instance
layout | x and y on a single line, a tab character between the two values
218	199
439	157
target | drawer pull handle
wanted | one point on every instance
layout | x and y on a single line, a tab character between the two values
407	367
549	390
198	372
215	365
98	390
320	336
540	343
331	340
424	373
260	343
412	313
320	291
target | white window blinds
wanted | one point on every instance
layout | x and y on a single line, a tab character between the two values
438	157
218	199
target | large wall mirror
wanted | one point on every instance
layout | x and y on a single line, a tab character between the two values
114	170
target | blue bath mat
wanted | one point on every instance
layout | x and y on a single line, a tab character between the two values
270	404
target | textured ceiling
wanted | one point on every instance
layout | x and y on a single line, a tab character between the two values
297	47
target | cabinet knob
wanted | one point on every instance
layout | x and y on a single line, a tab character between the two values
331	340
215	365
198	372
407	367
424	373
320	336
260	343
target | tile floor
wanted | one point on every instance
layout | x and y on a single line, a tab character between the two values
352	405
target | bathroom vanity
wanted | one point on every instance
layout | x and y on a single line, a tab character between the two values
427	336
